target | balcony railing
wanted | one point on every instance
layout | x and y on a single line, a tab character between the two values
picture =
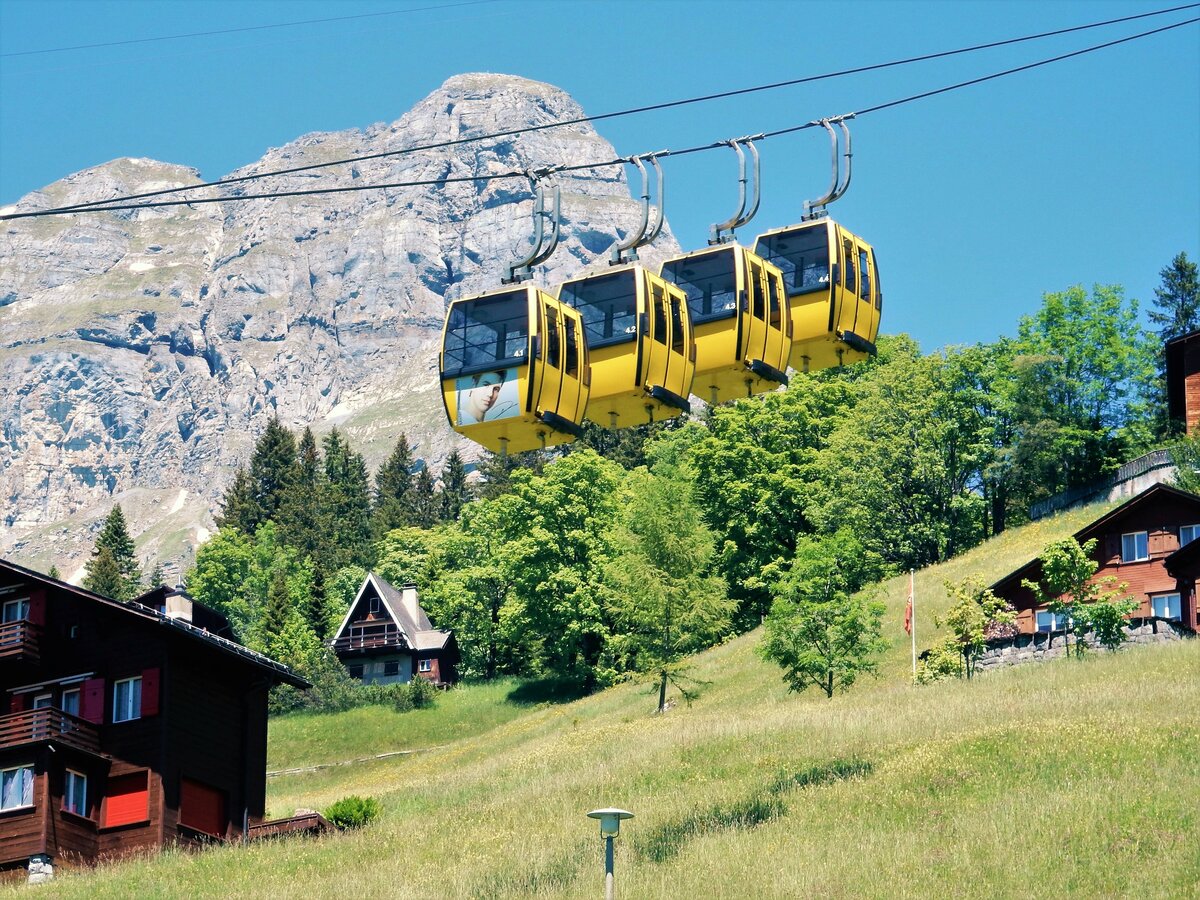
19	640
370	637
47	724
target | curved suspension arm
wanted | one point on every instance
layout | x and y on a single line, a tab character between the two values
753	210
715	232
634	240
521	270
662	200
815	208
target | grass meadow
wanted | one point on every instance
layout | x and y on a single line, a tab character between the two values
1062	778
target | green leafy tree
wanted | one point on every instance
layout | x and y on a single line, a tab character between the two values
975	617
394	502
1185	455
455	492
220	575
820	633
119	575
667	602
1067	587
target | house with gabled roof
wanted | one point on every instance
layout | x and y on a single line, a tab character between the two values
124	725
1139	543
386	638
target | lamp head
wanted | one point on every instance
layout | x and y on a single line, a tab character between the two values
610	820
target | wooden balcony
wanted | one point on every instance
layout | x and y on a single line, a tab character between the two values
370	637
19	641
34	726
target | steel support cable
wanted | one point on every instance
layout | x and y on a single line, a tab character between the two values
655	107
581	167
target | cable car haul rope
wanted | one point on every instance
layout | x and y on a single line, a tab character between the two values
523	366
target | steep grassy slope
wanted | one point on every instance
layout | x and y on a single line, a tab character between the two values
1061	778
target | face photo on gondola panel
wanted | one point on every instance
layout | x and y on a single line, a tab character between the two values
486	397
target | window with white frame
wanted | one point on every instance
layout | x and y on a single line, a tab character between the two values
1135	546
127	699
1187	534
15	610
1165	606
75	793
1048	621
425	665
16	787
70	701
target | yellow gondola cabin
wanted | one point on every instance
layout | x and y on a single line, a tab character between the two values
514	369
637	328
743	339
832	285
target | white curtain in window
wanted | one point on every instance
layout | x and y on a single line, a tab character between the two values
16	788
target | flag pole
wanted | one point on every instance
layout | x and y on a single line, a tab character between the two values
912	600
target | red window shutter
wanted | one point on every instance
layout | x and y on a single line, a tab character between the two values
127	800
37	606
91	701
17	703
150	678
201	808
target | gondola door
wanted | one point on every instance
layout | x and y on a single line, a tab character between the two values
547	361
656	337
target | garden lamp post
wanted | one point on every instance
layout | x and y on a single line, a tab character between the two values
610	826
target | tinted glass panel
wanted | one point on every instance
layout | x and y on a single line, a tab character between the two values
878	283
757	297
864	290
802	255
660	314
487	331
709	282
572	348
553	344
608	306
677	335
850	282
773	295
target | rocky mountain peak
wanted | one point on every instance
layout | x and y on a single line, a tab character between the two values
144	351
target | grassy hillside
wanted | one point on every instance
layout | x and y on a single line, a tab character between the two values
1062	778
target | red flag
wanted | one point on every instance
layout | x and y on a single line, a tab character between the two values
908	616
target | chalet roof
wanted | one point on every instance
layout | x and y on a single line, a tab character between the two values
418	630
277	670
1093	528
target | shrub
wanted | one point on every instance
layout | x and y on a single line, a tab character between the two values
353	811
422	693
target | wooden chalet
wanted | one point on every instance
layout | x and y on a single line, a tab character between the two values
386	638
1183	380
1147	543
124	725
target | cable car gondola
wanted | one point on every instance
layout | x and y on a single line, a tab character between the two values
736	300
831	278
514	365
638	331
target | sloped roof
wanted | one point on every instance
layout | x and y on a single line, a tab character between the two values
277	670
1088	531
418	630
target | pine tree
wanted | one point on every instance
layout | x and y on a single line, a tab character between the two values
278	609
272	470
425	501
456	492
1179	299
349	504
238	508
302	513
156	578
394	491
114	540
53	573
104	576
314	615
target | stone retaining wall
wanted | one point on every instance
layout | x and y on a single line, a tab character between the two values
1037	647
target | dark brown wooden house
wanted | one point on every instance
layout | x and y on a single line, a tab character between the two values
1183	380
386	638
1138	542
124	725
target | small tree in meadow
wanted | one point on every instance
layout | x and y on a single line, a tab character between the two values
976	616
1067	589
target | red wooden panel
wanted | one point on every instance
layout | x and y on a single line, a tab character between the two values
128	800
17	703
91	701
150	678
37	606
201	807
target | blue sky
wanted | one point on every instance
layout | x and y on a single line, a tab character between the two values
1085	171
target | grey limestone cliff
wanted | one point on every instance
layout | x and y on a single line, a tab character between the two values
142	352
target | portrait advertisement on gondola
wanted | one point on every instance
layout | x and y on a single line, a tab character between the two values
487	396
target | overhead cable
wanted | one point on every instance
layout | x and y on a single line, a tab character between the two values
655	107
271	195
